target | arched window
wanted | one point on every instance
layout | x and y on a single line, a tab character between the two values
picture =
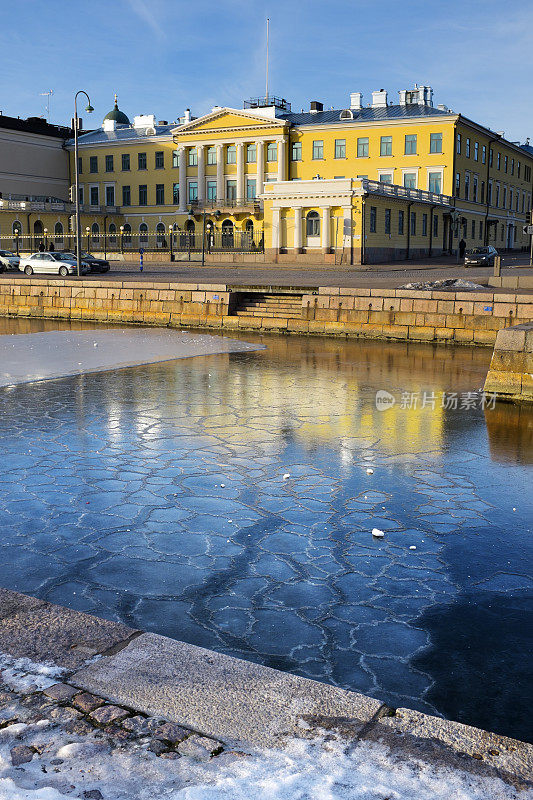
127	233
112	232
58	233
17	229
227	233
143	233
95	233
249	226
312	223
38	234
160	234
189	226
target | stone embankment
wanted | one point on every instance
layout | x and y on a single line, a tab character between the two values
511	369
393	314
181	700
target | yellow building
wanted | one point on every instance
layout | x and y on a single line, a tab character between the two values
363	184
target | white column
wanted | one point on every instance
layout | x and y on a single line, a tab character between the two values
221	189
240	171
298	229
182	177
260	156
325	228
276	216
281	160
201	173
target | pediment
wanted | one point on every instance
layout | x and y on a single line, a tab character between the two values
229	119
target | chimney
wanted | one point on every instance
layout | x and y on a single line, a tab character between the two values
356	101
187	115
379	99
316	107
425	96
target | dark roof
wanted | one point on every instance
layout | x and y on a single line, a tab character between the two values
122	133
527	147
365	115
117	115
35	125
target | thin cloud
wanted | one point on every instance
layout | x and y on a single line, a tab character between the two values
143	11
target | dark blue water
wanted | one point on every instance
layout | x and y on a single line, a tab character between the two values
157	495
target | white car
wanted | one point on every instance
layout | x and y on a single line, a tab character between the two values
8	260
54	263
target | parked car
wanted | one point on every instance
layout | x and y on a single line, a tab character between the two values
480	256
54	263
8	260
94	264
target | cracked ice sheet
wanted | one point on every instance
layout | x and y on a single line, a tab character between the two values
55	354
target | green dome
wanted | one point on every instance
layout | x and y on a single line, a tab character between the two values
117	115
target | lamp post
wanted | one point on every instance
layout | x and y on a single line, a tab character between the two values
170	237
191	214
122	239
45	231
17	234
89	109
87	231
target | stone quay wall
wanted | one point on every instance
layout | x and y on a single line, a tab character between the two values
392	314
511	369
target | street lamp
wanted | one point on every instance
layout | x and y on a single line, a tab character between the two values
122	238
171	235
89	109
87	231
17	234
45	231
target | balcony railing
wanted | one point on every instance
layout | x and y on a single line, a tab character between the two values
268	100
252	205
392	190
45	204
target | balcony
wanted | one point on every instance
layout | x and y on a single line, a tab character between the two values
419	195
35	204
236	206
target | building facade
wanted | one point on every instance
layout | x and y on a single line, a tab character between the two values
362	184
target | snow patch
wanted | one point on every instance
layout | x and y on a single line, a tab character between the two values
24	675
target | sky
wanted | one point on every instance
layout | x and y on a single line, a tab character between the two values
162	56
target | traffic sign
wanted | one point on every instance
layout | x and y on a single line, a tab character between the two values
528	230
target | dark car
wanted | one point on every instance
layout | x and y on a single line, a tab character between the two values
94	264
480	256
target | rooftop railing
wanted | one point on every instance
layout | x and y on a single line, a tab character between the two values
392	190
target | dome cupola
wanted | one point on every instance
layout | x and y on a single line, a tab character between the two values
116	115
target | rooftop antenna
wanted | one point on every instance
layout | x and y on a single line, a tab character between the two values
48	95
267	32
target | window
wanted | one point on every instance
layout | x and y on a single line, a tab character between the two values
504	204
424	224
110	195
95	232
385	147
192	157
474	189
410	144
159	159
272	151
481	230
387	220
175	194
491	156
251	154
362	147
484	154
482	198
467	186
409	180
127	233
458	147
160	194
505	163
58	233
193	191
435	182
413	223
112	232
175	159
250	189
231	154
497	195
211	190
512	166
385	177
80	165
231	190
340	148
435	143
143	233
296	151
499	161
125	162
473	229
126	196
435	226
373	219
81	194
94	201
489	193
527	174
160	234
312	224
457	183
518	169
93	164
109	163
211	155
510	199
467	151
143	194
318	149
401	217
141	160
476	151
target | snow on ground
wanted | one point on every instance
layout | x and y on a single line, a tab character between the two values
68	764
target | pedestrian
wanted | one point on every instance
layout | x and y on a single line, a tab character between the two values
51	247
462	248
41	247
